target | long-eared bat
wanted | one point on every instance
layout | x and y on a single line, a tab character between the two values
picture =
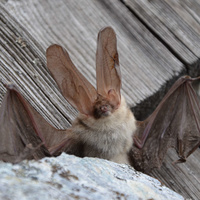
105	127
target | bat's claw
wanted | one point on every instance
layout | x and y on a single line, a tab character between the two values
181	160
189	78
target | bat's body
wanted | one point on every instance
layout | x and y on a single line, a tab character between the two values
105	126
109	137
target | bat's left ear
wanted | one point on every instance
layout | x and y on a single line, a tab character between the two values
107	66
73	85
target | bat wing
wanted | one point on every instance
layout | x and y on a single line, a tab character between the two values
174	124
24	134
73	85
107	65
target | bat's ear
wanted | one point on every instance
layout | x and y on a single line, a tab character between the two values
107	66
73	85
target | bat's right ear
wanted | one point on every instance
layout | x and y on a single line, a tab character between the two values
73	85
107	66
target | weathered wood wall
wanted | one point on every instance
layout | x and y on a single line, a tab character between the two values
145	62
158	41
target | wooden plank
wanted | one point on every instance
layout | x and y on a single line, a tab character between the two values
183	178
22	62
2	91
145	62
174	25
188	11
192	7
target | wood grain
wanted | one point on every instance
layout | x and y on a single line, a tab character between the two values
153	52
23	63
183	178
145	62
174	23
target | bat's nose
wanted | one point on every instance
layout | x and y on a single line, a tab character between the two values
104	108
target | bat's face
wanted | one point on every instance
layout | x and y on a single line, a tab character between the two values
103	108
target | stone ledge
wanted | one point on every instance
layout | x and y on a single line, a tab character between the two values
70	177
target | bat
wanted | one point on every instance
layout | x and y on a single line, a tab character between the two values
105	127
105	121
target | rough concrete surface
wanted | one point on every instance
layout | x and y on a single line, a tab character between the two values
70	177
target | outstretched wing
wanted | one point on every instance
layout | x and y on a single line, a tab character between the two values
24	134
175	123
73	85
107	66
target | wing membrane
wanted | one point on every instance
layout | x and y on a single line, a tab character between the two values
175	123
24	134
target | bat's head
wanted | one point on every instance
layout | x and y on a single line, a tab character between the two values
79	92
104	107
